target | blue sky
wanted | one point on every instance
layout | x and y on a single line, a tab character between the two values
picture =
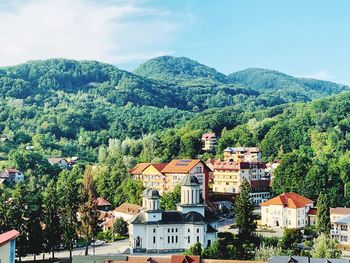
303	38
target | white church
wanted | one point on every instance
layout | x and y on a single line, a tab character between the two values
154	230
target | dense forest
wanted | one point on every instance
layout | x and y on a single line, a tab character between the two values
111	119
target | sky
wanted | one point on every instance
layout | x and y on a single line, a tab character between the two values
302	38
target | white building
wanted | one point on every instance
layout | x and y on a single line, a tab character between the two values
155	230
12	175
288	210
340	225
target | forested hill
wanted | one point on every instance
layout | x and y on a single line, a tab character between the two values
66	107
277	82
181	70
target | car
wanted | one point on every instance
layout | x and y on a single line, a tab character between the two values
97	243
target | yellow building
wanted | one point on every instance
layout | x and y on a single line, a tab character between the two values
151	176
242	154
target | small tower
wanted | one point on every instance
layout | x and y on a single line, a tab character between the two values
190	195
151	204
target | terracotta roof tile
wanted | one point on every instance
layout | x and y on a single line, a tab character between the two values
130	209
291	200
139	168
312	211
102	202
159	166
185	259
180	166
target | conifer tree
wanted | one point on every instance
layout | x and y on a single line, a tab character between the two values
244	208
323	220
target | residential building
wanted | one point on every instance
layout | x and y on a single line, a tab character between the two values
61	162
152	177
340	225
155	230
8	246
242	154
176	170
12	175
287	210
228	177
312	216
103	205
136	172
209	142
299	259
126	211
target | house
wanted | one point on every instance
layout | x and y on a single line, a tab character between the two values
126	211
299	259
155	230
136	171
103	205
177	169
312	216
242	154
8	246
209	142
228	177
340	225
152	177
287	210
12	175
61	162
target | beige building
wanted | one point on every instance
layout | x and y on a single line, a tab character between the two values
287	210
242	154
340	225
228	177
209	142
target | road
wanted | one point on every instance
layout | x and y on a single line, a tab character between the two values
106	249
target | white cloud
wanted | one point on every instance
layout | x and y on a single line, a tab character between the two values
321	74
112	31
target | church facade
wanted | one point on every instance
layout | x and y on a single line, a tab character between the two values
155	231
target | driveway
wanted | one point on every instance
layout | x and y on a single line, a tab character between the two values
106	249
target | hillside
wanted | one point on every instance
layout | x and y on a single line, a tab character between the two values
180	70
277	82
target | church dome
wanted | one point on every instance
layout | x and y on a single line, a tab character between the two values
194	217
151	194
190	180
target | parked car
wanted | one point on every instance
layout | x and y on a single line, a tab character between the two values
97	243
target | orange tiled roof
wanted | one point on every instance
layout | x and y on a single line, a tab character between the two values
139	168
290	200
180	166
185	259
102	202
128	209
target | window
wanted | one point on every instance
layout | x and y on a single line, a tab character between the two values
176	239
197	239
197	230
188	230
343	227
172	239
172	230
289	222
154	239
154	230
168	239
298	222
168	230
188	239
198	169
176	230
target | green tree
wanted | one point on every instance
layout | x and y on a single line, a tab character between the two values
52	232
244	211
195	250
291	237
324	247
169	200
263	253
120	227
88	210
323	218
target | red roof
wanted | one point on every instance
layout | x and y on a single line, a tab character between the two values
185	259
102	202
290	200
312	211
218	165
207	136
8	236
159	166
130	209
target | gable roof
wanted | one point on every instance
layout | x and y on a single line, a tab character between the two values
180	166
290	200
55	160
208	135
340	210
102	202
159	166
129	209
8	236
139	168
312	211
185	259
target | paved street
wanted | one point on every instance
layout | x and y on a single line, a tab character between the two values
106	249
